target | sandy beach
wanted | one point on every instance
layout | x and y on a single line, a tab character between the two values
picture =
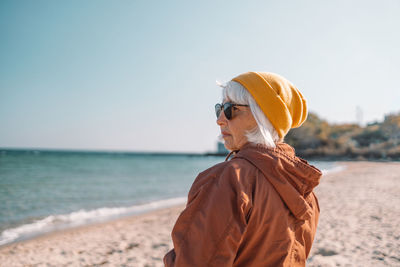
360	217
359	226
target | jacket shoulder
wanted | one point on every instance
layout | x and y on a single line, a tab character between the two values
236	172
235	165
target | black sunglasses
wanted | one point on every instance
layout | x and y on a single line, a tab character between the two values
227	107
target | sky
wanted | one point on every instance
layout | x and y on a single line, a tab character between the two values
141	75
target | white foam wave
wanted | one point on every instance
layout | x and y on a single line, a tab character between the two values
338	168
81	217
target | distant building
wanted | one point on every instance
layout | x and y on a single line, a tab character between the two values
221	148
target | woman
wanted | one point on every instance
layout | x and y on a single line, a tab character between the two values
258	208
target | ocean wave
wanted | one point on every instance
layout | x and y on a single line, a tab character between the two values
80	217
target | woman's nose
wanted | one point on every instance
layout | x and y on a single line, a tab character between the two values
221	119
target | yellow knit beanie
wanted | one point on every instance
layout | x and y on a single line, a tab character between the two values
281	101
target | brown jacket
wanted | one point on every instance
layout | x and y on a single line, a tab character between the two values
257	209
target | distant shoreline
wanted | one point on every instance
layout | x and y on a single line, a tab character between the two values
313	155
103	152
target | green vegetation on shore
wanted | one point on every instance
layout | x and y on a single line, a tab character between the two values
316	138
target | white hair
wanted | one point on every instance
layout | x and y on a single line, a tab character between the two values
264	133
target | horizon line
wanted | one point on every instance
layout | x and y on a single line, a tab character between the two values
104	151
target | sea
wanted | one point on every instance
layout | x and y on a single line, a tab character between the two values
42	191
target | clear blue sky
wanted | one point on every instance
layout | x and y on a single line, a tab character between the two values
140	75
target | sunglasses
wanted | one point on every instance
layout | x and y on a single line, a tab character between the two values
227	107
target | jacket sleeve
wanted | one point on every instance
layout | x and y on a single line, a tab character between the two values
208	232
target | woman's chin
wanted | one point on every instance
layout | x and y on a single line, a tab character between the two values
229	146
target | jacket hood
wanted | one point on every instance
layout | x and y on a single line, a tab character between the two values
292	177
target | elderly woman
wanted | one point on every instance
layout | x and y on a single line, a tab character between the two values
258	208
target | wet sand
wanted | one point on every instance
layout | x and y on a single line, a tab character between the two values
359	226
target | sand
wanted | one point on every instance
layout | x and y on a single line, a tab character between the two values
359	226
135	241
360	217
